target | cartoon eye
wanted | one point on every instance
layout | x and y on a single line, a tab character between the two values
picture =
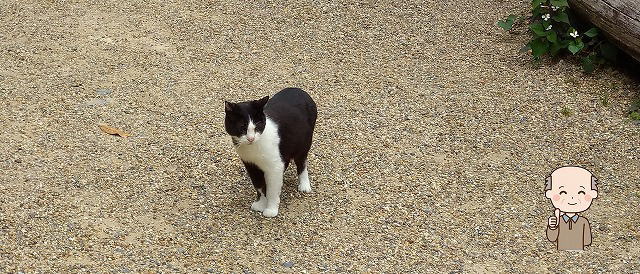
563	192
581	192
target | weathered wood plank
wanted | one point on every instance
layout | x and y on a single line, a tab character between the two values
619	20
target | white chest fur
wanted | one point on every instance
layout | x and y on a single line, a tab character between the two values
265	151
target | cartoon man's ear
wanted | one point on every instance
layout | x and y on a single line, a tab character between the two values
594	187
548	194
228	106
547	187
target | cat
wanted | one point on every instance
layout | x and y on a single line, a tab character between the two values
268	134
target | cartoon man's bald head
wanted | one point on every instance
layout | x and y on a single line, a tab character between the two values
571	189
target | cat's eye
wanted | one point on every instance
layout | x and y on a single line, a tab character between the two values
563	192
581	192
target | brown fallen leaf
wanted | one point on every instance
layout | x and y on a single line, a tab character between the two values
113	131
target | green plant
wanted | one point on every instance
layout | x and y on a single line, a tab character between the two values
553	34
508	22
566	111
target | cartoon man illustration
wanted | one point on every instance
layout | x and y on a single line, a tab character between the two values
571	190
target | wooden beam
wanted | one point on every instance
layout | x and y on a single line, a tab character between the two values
619	21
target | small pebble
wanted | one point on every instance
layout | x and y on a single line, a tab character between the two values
96	102
103	91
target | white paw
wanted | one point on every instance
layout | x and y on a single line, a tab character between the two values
304	187
270	212
258	205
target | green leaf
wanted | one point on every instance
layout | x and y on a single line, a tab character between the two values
634	116
575	46
552	36
539	47
591	32
537	3
536	12
597	59
587	64
538	29
561	17
507	23
555	48
609	52
559	3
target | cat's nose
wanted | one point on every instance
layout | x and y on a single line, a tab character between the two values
251	139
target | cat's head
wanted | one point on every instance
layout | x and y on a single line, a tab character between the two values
245	121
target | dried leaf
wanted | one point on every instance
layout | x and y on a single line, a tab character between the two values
113	131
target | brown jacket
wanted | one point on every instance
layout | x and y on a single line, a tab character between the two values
571	233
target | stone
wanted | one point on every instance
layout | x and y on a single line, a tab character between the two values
103	92
96	102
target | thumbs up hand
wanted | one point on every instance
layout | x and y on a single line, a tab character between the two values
553	220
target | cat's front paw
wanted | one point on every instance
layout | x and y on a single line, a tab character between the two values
258	205
270	212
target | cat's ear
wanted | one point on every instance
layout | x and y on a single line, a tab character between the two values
228	106
260	103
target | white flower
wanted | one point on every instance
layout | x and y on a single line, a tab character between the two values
574	34
554	8
549	27
546	17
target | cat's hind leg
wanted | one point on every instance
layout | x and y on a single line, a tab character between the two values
304	185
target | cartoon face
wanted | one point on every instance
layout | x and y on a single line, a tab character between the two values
571	189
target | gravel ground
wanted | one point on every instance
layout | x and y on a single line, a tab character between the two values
433	140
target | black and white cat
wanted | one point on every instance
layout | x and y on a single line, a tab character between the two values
268	134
